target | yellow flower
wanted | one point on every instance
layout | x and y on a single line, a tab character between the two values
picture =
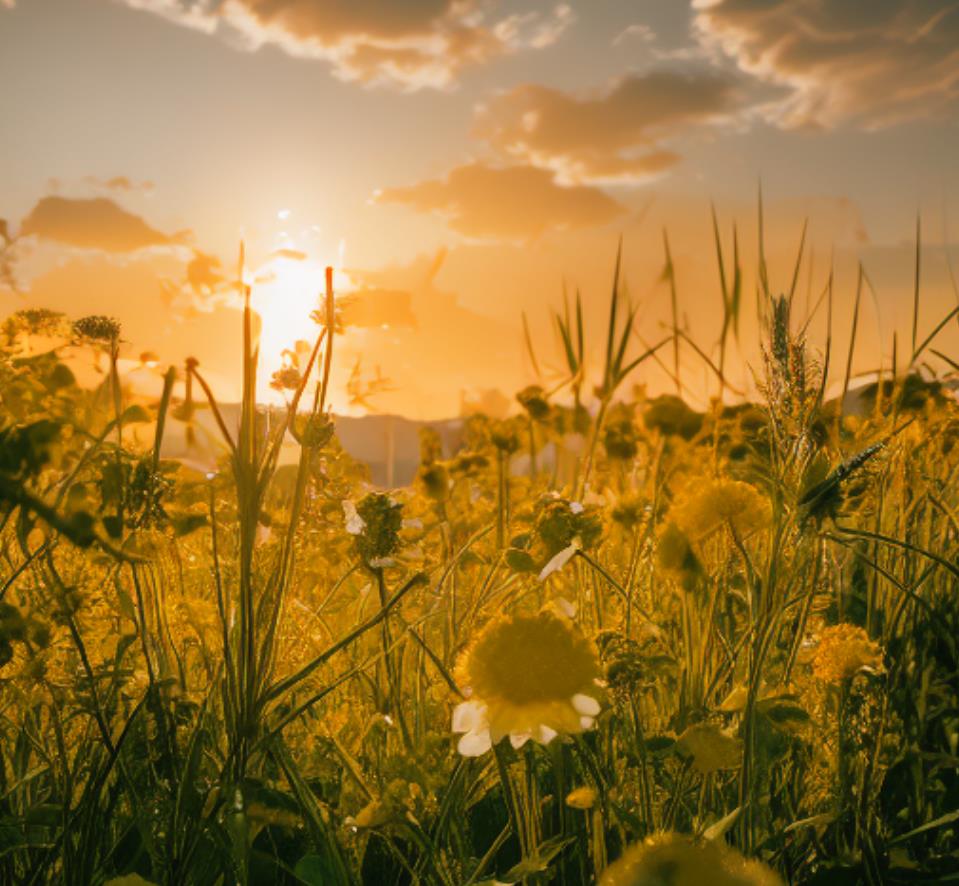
843	651
527	676
722	502
581	798
679	860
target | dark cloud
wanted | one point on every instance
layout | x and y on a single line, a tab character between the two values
90	224
620	133
412	43
507	203
874	63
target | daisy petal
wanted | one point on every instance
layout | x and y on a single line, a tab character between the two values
355	524
474	744
559	561
585	705
546	735
469	716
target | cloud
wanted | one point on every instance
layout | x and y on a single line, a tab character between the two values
642	33
117	183
90	224
872	63
506	203
619	134
412	44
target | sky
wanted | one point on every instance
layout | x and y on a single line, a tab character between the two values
460	162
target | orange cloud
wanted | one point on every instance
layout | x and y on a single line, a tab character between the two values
412	44
873	63
616	134
90	224
506	203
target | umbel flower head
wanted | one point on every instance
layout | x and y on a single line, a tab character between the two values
843	651
678	860
528	676
375	522
98	328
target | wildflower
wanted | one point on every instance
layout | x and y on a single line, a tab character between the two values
286	378
629	511
680	860
435	480
622	660
843	652
559	523
505	437
620	440
674	553
581	798
533	400
670	415
722	502
378	538
529	676
316	432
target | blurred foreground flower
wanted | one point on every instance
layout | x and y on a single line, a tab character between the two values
719	503
843	651
678	860
528	676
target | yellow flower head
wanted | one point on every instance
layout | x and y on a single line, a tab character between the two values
679	860
528	676
722	502
843	651
581	798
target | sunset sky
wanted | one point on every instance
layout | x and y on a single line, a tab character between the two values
458	160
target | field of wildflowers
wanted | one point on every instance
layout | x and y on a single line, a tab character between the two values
688	647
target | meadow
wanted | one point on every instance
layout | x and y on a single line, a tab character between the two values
612	639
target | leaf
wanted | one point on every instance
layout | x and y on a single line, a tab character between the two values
948	818
659	744
314	870
735	701
716	830
539	861
520	561
129	880
783	713
710	748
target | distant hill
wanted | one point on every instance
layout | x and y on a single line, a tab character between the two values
365	438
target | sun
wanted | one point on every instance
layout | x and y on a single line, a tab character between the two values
286	288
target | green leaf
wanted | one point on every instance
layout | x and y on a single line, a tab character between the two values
717	830
135	414
129	880
314	870
948	818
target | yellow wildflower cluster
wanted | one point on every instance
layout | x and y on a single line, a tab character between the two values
722	502
843	651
